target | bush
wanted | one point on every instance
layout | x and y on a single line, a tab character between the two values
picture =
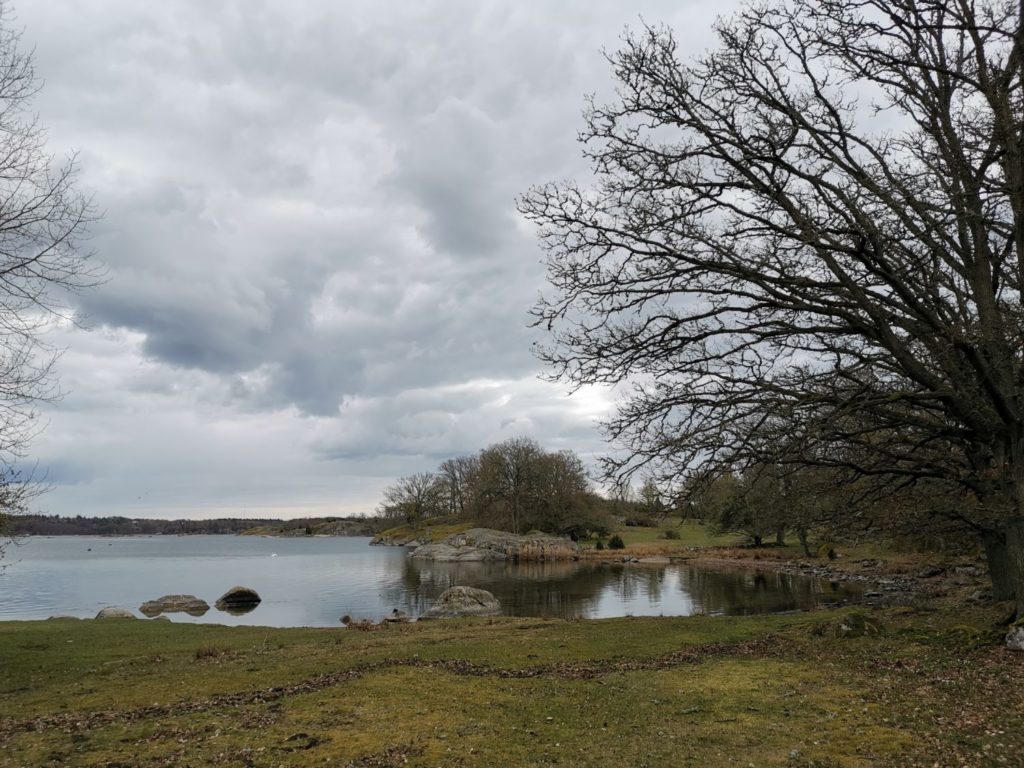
639	521
616	542
599	545
670	533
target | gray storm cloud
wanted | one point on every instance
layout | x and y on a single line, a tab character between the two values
317	277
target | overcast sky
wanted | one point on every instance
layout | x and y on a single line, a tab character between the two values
317	278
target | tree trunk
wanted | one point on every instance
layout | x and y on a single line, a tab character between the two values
780	537
804	541
999	567
1015	557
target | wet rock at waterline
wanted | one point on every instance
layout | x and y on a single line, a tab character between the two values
189	604
113	612
238	600
463	601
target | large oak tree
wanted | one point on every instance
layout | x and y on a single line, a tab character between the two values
812	232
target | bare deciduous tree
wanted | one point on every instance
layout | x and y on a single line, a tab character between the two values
414	498
823	218
43	218
457	475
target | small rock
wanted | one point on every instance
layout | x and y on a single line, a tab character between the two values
930	572
1015	638
113	612
858	625
189	604
238	596
463	601
967	570
872	594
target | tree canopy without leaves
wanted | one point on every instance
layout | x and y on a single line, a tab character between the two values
815	228
43	218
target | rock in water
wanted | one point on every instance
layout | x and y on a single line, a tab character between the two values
463	601
239	599
115	613
189	604
1015	638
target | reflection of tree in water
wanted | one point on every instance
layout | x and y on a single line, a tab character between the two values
563	589
567	589
745	592
631	581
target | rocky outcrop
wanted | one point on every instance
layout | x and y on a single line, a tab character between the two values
239	598
463	601
443	552
392	540
112	612
485	544
189	604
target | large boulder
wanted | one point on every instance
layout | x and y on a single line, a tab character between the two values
485	544
463	601
238	598
113	612
189	604
443	552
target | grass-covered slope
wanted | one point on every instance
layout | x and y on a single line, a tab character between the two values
936	687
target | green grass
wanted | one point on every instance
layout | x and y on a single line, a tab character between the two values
691	534
426	531
707	691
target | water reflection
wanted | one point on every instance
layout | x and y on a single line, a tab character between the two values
572	589
313	582
236	609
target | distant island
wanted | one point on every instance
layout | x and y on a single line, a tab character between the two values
54	525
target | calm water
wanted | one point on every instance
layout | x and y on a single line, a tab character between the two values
313	582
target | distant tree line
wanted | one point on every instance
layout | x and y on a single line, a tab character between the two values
53	525
513	485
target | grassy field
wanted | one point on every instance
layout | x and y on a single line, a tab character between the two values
691	534
935	688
